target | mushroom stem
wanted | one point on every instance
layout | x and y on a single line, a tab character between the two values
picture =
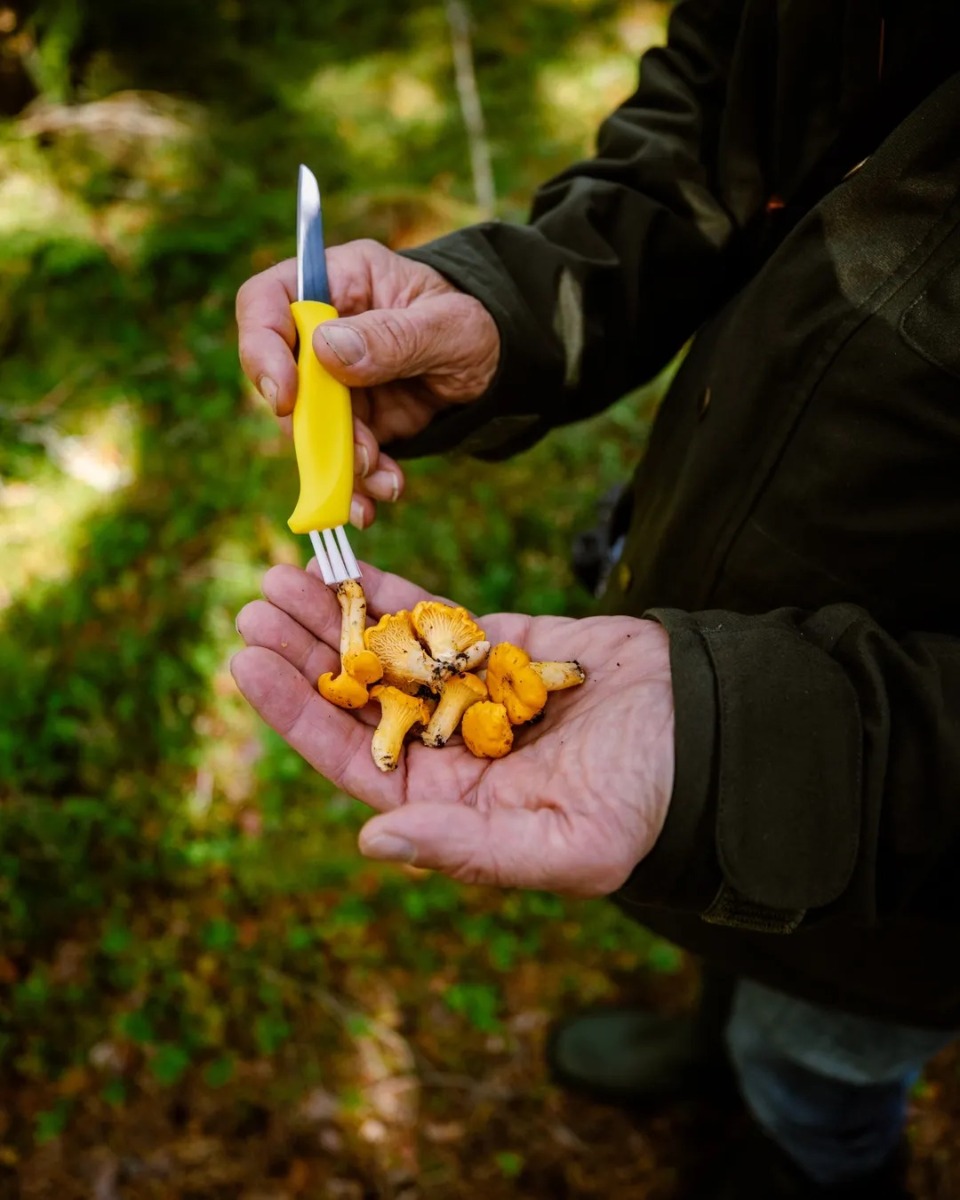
458	694
559	675
400	712
473	657
357	660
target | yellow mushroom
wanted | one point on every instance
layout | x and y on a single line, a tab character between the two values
459	692
355	658
512	682
400	712
486	730
452	636
405	663
559	675
342	690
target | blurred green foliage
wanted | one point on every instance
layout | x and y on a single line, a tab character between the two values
177	888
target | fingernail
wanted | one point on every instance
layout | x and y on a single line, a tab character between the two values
361	460
345	342
396	489
357	514
389	848
268	390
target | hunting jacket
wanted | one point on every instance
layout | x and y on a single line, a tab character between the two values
783	189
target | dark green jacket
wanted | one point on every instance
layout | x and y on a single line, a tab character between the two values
796	519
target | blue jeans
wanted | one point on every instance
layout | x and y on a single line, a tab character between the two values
829	1088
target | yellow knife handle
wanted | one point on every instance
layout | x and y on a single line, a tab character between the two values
322	431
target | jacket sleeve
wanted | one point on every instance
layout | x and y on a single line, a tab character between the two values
623	258
817	772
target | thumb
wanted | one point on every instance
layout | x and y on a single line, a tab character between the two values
506	847
385	344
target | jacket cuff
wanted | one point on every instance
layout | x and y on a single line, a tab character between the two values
764	822
509	416
681	871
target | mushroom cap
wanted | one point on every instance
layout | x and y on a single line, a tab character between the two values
448	630
513	683
486	730
342	690
464	682
405	663
363	665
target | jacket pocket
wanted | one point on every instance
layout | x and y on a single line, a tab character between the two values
766	570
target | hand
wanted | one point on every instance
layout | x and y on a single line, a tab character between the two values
410	345
577	803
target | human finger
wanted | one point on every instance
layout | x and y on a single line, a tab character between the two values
539	847
386	483
363	510
377	475
267	334
332	740
306	598
366	451
261	623
452	334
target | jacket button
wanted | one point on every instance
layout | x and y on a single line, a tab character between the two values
704	402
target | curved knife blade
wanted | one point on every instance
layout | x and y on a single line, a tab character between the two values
312	283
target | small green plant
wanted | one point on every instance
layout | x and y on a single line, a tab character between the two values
479	1003
510	1163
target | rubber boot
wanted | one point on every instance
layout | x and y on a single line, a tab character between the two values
630	1057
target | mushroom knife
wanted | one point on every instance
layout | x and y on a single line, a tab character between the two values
322	418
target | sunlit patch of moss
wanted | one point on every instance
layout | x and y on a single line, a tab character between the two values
35	208
382	108
43	516
591	79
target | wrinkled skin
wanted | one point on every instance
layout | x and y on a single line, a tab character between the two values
421	346
578	802
583	795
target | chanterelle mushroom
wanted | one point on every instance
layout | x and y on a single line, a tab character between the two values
400	712
486	730
454	639
459	692
356	659
512	682
405	663
559	675
344	690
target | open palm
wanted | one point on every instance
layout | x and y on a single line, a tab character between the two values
574	807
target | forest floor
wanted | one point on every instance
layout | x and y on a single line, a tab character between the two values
205	992
446	1114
